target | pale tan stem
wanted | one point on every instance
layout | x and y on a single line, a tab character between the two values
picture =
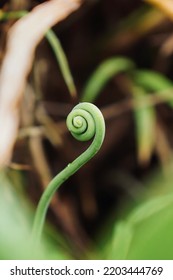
23	39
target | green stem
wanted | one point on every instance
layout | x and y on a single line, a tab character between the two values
84	122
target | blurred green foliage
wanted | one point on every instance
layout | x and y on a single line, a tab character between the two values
16	218
145	231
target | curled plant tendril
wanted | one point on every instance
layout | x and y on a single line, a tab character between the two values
84	122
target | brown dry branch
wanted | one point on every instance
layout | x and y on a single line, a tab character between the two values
50	127
117	109
23	38
167	47
39	159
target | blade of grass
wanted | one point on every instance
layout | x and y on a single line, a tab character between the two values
12	15
105	71
62	60
145	121
153	81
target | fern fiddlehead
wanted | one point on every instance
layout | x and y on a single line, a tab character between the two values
84	122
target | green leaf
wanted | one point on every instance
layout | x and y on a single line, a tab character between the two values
150	208
147	233
105	71
16	220
123	235
153	235
152	81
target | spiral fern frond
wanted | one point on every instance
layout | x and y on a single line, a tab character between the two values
84	122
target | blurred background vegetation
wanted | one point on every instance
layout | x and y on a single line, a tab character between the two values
118	55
